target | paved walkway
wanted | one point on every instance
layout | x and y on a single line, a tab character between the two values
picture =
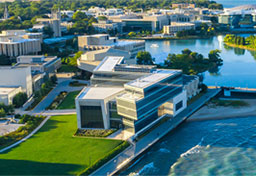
63	85
25	138
118	162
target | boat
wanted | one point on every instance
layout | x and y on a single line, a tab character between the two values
154	46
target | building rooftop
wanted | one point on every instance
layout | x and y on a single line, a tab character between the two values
7	90
99	92
153	78
109	63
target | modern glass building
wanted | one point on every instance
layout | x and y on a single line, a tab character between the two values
130	96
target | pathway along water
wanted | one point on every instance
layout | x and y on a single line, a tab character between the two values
239	66
220	147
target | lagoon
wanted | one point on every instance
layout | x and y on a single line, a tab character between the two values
239	65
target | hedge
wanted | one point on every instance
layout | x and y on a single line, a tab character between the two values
94	132
97	164
31	123
57	100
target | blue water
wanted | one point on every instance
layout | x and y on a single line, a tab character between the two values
239	65
221	147
233	3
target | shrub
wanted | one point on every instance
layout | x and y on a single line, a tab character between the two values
94	132
19	99
31	123
57	100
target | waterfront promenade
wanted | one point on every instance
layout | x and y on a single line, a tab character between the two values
120	161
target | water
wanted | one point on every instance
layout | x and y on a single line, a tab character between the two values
239	66
221	147
233	3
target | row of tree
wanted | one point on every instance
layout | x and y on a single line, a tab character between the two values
238	40
189	62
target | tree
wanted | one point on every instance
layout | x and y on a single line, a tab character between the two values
2	112
47	30
214	57
144	58
132	34
19	99
102	18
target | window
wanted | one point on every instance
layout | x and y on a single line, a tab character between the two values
178	105
91	117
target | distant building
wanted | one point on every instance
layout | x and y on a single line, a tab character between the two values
68	13
176	27
239	17
91	59
183	5
97	11
54	23
41	67
106	26
104	41
130	96
146	23
18	42
180	18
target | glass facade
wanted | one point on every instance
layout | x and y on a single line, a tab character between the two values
91	117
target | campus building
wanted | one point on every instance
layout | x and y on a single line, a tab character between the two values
18	42
239	17
15	77
146	23
106	26
104	41
41	67
130	96
176	27
8	93
91	59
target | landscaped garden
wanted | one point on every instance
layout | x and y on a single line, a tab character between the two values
69	101
54	151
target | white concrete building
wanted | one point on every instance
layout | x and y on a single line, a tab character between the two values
91	59
104	41
176	27
8	93
17	77
18	42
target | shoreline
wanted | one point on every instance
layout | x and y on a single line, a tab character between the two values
191	37
240	46
128	157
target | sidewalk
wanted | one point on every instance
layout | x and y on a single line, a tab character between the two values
120	161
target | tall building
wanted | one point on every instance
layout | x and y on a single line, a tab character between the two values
6	13
131	96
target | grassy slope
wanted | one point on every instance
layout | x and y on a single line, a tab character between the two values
69	101
53	151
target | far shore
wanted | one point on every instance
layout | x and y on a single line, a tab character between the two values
220	112
240	46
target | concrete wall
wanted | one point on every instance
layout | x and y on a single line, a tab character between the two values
17	77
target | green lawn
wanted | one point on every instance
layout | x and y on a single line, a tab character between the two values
53	151
69	101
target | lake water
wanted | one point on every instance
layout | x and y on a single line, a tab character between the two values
233	3
239	65
221	147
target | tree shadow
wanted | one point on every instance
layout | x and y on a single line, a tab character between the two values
22	167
